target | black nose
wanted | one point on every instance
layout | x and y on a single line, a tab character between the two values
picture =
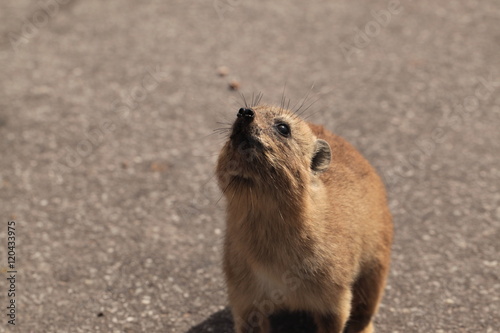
246	114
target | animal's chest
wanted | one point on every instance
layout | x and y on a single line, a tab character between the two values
272	265
281	268
269	280
271	242
291	288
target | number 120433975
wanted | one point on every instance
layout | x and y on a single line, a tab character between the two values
11	264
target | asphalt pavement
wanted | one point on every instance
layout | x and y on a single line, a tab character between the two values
107	119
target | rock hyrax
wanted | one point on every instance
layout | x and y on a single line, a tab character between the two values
308	225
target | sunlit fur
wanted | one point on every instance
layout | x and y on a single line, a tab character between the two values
299	239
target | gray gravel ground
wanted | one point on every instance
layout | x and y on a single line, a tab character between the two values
107	112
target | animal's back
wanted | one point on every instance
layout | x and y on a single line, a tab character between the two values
356	192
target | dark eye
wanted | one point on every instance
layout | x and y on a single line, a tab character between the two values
283	129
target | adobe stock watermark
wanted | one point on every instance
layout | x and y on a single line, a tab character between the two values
224	6
362	38
31	27
247	155
417	158
121	108
292	279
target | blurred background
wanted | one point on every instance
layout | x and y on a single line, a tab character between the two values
107	119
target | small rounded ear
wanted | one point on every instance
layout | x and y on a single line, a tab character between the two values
322	156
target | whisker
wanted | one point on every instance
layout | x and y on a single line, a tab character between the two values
311	114
209	179
223	123
222	129
234	192
279	211
258	98
207	136
282	103
225	190
307	108
251	198
244	99
215	132
304	100
209	155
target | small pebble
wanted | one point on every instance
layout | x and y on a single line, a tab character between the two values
223	71
234	85
158	167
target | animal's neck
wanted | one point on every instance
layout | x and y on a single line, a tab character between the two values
274	231
266	206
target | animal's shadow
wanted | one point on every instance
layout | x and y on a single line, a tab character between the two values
222	322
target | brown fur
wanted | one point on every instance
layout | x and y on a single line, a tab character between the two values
298	238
